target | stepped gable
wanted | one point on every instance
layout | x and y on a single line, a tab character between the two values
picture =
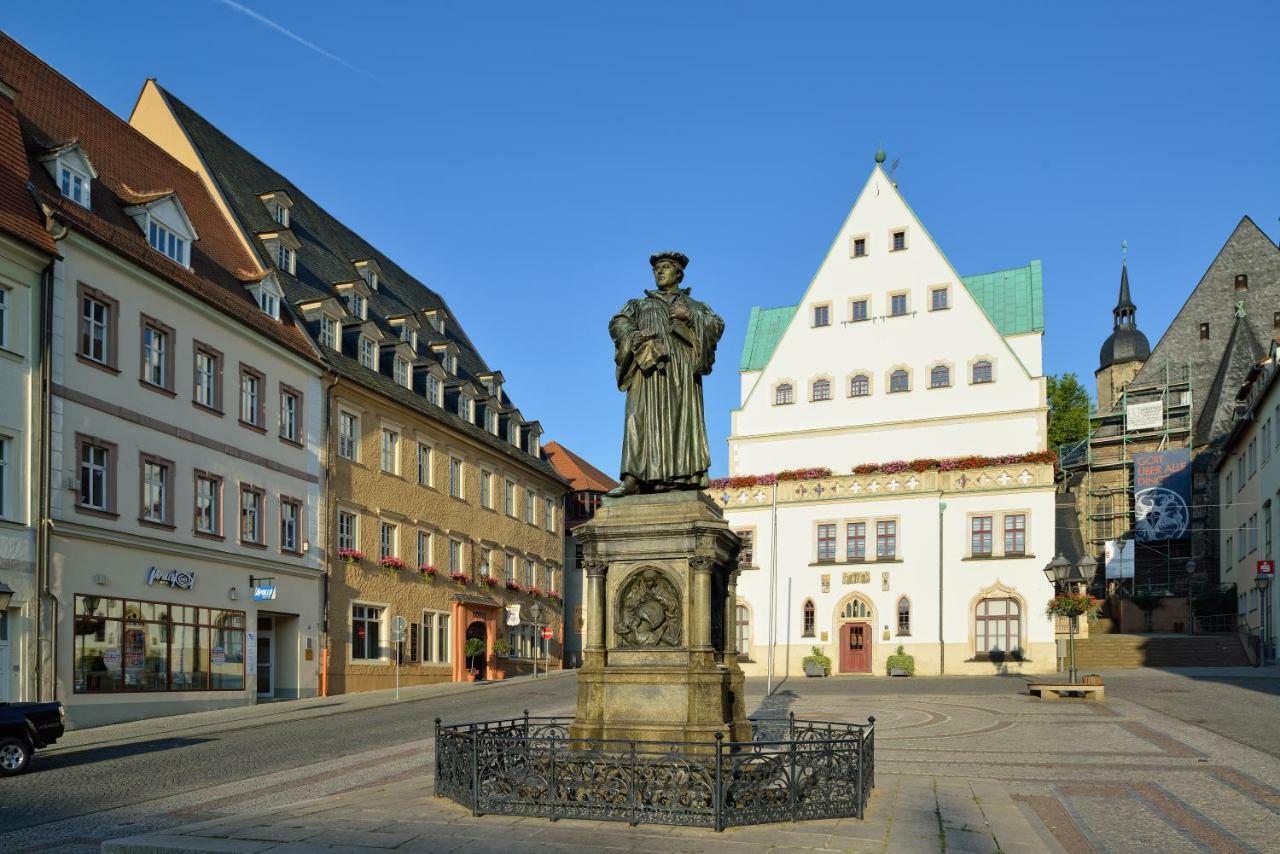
1215	363
54	113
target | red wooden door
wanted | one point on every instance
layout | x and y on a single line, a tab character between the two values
855	648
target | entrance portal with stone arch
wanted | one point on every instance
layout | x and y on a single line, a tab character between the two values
856	617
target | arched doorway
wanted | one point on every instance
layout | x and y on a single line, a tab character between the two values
856	621
477	630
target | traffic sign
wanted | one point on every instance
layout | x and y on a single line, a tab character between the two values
546	633
398	632
1266	569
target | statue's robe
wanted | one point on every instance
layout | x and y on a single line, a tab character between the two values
665	439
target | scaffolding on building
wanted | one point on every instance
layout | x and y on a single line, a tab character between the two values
1103	464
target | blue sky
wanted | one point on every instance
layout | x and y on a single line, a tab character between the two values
524	159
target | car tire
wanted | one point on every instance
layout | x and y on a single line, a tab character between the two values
15	755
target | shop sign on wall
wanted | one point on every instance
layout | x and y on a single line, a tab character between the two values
176	578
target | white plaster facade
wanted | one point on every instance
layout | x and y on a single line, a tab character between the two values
1004	416
21	270
109	555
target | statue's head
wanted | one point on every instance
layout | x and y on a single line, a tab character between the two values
668	269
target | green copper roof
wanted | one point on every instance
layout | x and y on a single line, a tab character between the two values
1013	299
764	329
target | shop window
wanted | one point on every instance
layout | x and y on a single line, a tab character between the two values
366	633
124	646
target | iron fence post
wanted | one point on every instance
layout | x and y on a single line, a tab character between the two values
793	794
475	773
858	771
871	750
791	733
552	791
437	757
631	788
718	802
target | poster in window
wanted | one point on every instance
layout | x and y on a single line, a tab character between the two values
135	650
1162	494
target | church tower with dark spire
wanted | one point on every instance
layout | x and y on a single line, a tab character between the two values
1124	352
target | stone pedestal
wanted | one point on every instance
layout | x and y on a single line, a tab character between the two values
659	662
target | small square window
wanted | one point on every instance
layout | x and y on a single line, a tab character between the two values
898	305
858	311
822	315
899	241
859	247
938	299
1204	332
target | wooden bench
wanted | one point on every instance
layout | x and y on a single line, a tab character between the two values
1057	690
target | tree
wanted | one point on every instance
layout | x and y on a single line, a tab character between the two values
1068	410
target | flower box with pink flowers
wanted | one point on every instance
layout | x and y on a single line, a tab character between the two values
391	564
351	556
427	570
458	577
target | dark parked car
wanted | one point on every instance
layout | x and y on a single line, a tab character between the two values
25	727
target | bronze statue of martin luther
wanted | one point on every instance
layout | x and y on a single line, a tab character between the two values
665	343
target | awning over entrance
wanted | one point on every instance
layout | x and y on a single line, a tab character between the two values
476	599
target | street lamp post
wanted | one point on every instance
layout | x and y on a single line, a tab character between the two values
1191	614
535	611
1063	574
1262	582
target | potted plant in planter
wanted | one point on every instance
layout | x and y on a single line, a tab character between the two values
391	564
500	650
459	578
428	571
555	597
513	586
817	663
473	649
488	581
901	664
1073	605
350	556
534	592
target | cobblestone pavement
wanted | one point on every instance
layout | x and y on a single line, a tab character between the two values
962	765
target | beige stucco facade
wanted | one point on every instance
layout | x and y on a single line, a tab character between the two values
397	498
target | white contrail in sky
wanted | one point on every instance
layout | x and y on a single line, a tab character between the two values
262	19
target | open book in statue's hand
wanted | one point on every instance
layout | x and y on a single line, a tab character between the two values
650	352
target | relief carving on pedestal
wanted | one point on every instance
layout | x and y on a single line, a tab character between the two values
649	613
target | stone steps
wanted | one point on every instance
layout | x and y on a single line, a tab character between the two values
1122	650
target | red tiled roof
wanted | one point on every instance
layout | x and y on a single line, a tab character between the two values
131	168
573	468
19	215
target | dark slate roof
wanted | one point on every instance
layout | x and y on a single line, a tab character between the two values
329	248
1219	365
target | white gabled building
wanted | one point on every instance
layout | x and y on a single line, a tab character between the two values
891	357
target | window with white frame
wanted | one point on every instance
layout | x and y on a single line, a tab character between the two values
455	556
95	329
401	372
981	372
251	506
358	305
207	369
855	539
859	385
899	381
348	533
388	533
886	540
529	498
455	477
486	489
409	334
549	513
530	573
486	555
509	498
938	299
783	394
433	389
284	257
290	518
390	451
366	632
95	471
1015	534
155	491
939	376
491	420
155	345
435	637
166	242
290	406
820	390
897	305
368	353
998	626
4	317
250	397
980	536
859	310
5	444
424	464
328	332
348	436
74	185
209	504
424	548
509	567
822	315
280	214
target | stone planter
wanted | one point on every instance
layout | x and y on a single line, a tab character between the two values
814	669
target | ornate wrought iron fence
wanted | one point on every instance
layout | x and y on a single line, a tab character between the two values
791	770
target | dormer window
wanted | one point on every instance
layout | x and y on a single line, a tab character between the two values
285	258
368	353
167	242
74	185
328	332
267	293
491	419
401	372
410	335
451	363
433	389
282	248
278	205
513	433
435	317
72	172
358	305
465	410
369	270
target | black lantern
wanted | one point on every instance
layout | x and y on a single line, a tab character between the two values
1057	570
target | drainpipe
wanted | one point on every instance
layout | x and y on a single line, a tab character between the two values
331	532
773	588
942	648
